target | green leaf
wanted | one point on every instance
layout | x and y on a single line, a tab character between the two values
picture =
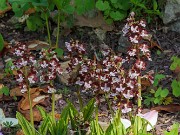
164	92
1	42
157	78
114	1
175	88
158	52
3	5
4	90
26	126
116	15
109	21
59	52
83	6
157	100
158	92
44	126
88	110
102	5
174	130
68	9
42	111
155	5
173	66
58	4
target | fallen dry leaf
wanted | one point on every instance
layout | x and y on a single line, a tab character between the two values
17	91
36	98
1	86
37	45
30	11
168	108
26	113
19	132
154	44
95	22
64	77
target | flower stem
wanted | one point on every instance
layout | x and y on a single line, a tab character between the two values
80	100
58	30
48	31
29	98
109	105
53	107
31	110
139	101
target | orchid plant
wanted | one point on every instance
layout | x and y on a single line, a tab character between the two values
118	78
32	71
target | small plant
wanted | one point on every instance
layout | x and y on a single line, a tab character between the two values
174	129
148	8
160	96
114	10
4	90
157	94
176	63
1	42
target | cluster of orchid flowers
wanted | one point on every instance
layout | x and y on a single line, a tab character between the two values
31	71
109	75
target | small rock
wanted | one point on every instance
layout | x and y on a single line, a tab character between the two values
13	20
123	44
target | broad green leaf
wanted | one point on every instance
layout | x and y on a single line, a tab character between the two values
59	52
1	42
116	15
109	21
4	90
164	92
155	5
88	110
173	66
157	78
26	126
57	3
158	92
114	1
102	5
96	128
157	100
3	5
175	88
42	111
174	130
68	9
43	128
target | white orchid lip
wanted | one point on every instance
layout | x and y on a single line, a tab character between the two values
151	117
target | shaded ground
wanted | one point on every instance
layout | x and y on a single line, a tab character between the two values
169	42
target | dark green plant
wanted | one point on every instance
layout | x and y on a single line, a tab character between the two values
8	65
175	88
1	42
4	90
146	8
8	124
41	8
174	130
175	62
113	10
157	94
3	5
